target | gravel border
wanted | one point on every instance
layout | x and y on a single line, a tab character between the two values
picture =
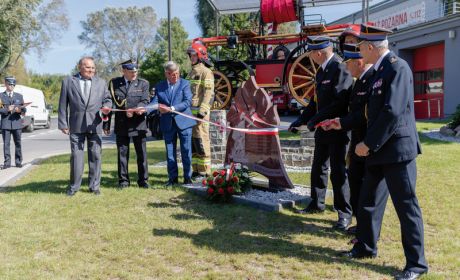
435	134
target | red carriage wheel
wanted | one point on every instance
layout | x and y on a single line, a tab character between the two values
301	79
222	90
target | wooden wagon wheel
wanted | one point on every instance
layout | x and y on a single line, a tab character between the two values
301	79
222	90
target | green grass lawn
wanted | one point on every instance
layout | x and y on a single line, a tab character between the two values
164	233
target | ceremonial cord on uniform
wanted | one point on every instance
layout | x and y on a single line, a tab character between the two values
122	103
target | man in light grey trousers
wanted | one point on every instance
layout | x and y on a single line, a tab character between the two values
84	101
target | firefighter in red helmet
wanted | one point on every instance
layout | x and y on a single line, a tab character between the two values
202	84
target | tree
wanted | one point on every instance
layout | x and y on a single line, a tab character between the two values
152	66
29	25
118	34
206	19
50	84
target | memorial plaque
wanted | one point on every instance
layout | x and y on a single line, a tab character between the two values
253	109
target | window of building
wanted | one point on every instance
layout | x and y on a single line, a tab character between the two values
429	82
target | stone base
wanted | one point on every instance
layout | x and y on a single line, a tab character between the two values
271	207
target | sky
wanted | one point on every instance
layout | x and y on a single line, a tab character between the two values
64	53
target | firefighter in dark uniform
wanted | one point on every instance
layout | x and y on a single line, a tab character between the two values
356	122
130	92
201	81
333	86
391	145
11	109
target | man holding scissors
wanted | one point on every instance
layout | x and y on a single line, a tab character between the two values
130	95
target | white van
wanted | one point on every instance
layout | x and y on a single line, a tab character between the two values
36	111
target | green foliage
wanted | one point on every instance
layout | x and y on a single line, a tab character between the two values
49	84
206	19
455	118
29	25
119	34
152	67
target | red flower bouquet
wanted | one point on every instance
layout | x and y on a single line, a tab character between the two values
228	181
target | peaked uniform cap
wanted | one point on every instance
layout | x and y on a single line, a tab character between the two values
351	51
318	42
129	65
373	33
10	80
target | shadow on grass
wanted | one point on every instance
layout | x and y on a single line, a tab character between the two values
109	179
240	230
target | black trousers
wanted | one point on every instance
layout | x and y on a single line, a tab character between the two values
335	155
6	135
355	172
400	181
123	158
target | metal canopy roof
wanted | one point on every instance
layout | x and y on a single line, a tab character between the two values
235	6
245	6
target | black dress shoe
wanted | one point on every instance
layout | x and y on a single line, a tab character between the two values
123	185
71	193
195	174
19	165
6	166
171	183
408	275
188	181
309	210
342	224
144	185
352	230
352	254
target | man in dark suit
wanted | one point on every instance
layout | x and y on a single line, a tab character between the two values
333	86
130	92
174	95
11	109
83	101
355	121
391	145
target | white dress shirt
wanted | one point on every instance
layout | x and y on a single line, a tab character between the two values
327	61
377	64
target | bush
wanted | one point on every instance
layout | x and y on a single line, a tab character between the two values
455	119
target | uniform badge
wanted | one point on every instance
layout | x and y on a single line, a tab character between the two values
326	82
393	59
378	83
361	93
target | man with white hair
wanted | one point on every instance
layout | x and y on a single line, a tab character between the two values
390	146
174	95
333	87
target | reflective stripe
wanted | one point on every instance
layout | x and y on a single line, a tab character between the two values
201	161
205	106
201	82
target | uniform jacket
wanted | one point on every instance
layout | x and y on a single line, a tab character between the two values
202	86
356	120
333	87
11	120
137	95
180	98
76	115
391	133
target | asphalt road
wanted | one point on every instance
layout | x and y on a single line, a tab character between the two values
41	143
